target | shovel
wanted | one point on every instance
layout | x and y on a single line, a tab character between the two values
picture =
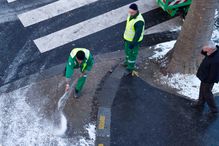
65	96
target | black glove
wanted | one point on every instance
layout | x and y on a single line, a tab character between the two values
204	53
131	46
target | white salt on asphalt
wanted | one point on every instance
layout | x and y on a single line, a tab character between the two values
20	124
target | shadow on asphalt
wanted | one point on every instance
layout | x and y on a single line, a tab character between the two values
145	116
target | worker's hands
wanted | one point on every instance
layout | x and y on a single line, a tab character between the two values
67	86
131	46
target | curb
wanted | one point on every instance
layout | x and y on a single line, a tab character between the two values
105	98
51	72
58	70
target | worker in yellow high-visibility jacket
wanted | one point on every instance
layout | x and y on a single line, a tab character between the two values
133	36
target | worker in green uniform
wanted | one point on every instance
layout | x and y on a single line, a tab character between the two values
133	36
79	58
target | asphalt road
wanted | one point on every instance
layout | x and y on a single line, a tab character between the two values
19	56
145	116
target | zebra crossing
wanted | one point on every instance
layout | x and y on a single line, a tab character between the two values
79	30
51	10
45	32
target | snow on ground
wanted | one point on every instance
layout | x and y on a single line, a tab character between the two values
92	134
179	28
20	125
186	84
162	49
215	35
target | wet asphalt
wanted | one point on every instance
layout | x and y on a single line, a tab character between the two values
146	116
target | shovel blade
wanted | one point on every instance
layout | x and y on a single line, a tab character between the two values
62	101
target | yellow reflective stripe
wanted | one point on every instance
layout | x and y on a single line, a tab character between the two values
84	66
130	61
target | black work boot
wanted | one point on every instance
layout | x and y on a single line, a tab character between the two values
212	114
76	94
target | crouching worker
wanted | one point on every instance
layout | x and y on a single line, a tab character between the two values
79	58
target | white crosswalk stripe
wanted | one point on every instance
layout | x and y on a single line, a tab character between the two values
10	1
86	28
51	10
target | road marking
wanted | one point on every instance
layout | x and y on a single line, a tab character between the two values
89	27
102	122
9	1
100	145
51	10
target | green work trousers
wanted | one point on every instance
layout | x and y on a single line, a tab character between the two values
130	56
82	79
81	82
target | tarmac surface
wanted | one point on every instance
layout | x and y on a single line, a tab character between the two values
29	115
33	81
20	57
145	116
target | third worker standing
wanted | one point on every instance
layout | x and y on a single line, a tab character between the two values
133	36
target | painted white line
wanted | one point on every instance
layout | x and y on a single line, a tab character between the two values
88	27
51	10
10	1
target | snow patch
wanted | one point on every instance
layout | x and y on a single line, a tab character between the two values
215	36
179	28
186	84
91	131
162	49
91	128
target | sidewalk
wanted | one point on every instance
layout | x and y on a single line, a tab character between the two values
143	115
28	107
